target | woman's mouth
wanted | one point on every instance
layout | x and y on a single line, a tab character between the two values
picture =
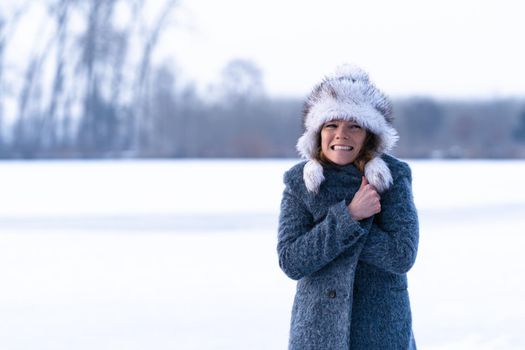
341	148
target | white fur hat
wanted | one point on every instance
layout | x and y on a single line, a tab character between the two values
349	95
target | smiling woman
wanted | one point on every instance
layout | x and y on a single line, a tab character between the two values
341	141
348	227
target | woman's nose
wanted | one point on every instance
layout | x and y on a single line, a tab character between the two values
340	134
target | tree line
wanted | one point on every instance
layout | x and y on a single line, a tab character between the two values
91	89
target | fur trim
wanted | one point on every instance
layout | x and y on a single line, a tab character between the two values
348	94
364	115
306	145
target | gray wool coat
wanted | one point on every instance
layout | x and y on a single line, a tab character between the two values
352	284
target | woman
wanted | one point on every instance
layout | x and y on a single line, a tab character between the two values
348	228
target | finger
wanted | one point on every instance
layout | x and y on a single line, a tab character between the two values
364	182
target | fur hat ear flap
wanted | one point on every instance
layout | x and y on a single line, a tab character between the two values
313	175
307	144
378	174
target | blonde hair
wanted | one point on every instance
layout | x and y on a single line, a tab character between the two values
365	155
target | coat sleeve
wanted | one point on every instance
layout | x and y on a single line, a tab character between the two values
392	241
303	246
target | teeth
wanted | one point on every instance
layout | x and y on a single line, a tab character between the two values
342	148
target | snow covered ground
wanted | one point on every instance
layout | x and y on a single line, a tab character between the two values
181	255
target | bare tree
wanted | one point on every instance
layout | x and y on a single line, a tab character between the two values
143	128
241	82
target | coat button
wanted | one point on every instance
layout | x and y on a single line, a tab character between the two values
332	294
346	241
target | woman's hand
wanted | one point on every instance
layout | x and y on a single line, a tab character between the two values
365	202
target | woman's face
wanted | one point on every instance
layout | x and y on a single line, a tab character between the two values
341	141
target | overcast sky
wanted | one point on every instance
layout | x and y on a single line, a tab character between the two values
446	48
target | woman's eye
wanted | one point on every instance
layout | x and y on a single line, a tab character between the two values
330	126
355	126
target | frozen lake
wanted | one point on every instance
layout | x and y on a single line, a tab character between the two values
181	255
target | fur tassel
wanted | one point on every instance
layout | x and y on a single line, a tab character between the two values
313	175
378	174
